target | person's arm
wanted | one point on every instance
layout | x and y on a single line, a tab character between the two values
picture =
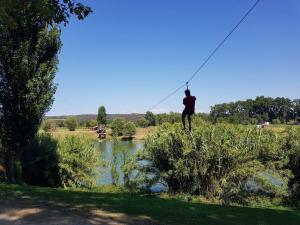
184	101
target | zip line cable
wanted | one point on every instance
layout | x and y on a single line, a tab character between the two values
209	56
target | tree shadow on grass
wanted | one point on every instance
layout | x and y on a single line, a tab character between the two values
166	211
36	212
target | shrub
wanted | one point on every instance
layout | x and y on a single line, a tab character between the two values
91	123
72	162
253	121
129	129
151	118
142	122
79	162
229	162
174	117
60	123
276	121
71	123
40	162
292	148
117	127
46	126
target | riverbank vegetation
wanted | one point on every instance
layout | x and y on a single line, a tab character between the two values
224	160
68	162
231	163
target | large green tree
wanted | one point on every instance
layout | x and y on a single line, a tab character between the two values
29	47
151	118
101	118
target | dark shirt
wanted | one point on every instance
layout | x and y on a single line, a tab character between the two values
189	103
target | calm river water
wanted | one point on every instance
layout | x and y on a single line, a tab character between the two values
115	154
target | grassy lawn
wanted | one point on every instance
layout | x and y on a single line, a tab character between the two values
167	211
61	133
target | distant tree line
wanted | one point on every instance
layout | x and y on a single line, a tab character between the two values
261	109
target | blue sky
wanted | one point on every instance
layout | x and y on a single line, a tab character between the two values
130	54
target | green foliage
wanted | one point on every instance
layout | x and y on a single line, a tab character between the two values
117	127
25	95
71	162
59	123
292	148
91	123
168	118
46	126
262	108
50	12
222	161
276	121
40	162
79	162
71	123
253	121
142	122
101	118
129	129
29	46
151	118
121	127
204	116
114	163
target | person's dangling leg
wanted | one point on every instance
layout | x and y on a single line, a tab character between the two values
190	121
183	118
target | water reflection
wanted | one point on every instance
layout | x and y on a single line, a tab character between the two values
116	154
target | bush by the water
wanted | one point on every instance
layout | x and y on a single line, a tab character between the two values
71	162
79	162
121	127
40	161
129	129
117	127
231	162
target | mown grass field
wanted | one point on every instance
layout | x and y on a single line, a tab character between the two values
167	211
61	133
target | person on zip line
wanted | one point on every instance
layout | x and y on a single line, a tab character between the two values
189	110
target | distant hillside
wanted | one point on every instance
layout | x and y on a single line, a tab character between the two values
85	117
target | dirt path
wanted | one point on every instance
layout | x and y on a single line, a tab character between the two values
33	212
